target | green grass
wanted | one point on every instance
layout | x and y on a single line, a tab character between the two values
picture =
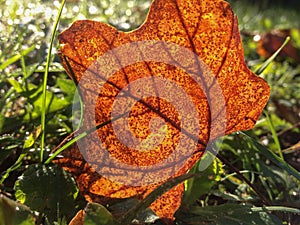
36	98
48	61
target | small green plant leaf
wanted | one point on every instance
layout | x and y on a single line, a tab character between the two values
17	85
66	85
49	190
29	141
96	214
198	186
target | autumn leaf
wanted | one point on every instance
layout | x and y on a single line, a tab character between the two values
159	95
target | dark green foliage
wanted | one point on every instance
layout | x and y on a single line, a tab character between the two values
48	190
228	214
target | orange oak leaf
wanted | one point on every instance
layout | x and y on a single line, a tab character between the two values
159	95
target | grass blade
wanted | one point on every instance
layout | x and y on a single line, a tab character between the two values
269	60
273	157
72	138
277	208
43	113
16	57
274	134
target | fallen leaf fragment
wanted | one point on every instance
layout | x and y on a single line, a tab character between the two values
208	29
78	219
